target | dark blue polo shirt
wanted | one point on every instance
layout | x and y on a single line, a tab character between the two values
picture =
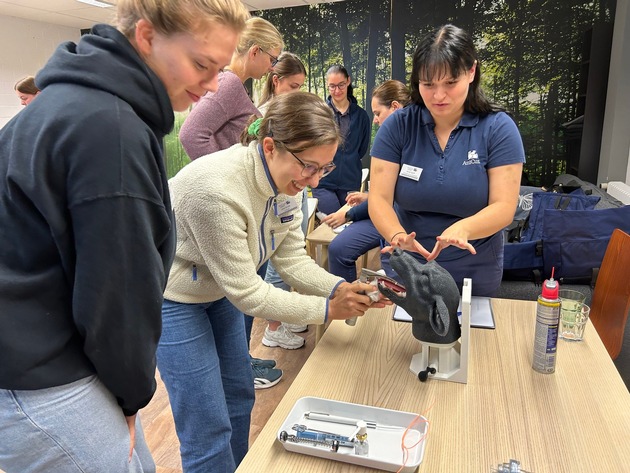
453	183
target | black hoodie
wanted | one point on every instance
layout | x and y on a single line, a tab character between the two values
86	226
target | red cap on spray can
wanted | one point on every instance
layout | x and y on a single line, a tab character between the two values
550	287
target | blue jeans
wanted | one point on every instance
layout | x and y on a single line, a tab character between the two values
328	200
204	362
76	427
349	245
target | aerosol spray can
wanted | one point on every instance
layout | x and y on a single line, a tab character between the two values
547	321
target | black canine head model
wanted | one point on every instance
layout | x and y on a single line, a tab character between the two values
432	298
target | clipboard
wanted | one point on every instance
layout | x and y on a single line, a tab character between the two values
481	315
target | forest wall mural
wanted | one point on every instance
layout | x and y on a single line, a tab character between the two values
534	54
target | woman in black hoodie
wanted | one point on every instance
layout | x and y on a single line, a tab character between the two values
88	236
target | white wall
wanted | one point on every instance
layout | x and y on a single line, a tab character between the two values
26	46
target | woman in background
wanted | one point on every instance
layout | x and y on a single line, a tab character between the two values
288	75
360	237
26	90
354	124
217	121
446	170
88	234
236	209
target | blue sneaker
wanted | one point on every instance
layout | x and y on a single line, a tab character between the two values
266	377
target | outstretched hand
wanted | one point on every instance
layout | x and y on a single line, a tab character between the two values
408	242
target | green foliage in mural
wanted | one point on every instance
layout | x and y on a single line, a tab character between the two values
530	54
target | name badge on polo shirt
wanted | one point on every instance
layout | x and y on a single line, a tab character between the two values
283	206
410	172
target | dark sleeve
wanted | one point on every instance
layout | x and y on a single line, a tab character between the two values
360	212
366	133
119	280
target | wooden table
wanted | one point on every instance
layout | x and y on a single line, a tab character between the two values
575	420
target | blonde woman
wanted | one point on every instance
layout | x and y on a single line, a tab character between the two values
217	121
235	210
26	90
88	235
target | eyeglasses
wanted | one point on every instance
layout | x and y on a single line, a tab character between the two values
340	86
309	170
274	59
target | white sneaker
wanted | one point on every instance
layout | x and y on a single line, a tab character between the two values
282	338
296	328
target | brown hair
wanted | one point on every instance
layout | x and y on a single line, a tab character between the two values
178	16
390	91
288	65
26	86
296	122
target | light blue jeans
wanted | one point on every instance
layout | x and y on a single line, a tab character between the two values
76	427
204	362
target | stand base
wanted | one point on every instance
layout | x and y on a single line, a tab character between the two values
448	362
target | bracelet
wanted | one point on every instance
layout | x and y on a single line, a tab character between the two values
397	233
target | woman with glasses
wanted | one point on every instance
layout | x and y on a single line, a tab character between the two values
287	76
446	170
354	125
360	237
235	210
217	120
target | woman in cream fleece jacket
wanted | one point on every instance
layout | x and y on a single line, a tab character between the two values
235	209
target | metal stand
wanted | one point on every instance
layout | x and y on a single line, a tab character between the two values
448	362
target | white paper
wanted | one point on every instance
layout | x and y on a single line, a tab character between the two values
480	313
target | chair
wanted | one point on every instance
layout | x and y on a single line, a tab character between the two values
364	176
611	297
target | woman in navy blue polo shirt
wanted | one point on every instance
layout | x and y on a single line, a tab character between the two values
446	170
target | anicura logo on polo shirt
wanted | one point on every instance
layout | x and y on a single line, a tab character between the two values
473	158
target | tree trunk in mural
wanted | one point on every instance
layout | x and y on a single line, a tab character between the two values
397	27
346	50
373	37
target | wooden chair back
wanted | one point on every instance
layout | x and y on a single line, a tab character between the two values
611	297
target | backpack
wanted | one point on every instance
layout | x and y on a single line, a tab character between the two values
567	232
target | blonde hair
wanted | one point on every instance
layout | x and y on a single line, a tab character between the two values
26	86
390	91
259	32
178	16
288	65
296	122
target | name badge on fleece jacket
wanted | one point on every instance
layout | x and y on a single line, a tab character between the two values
284	205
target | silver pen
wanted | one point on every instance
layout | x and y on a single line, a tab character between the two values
321	416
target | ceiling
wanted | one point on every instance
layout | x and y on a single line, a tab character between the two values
79	15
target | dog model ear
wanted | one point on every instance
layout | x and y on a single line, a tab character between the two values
440	317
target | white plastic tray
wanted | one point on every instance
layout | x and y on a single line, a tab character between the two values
385	450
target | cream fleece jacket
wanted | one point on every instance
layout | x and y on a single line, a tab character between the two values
227	227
